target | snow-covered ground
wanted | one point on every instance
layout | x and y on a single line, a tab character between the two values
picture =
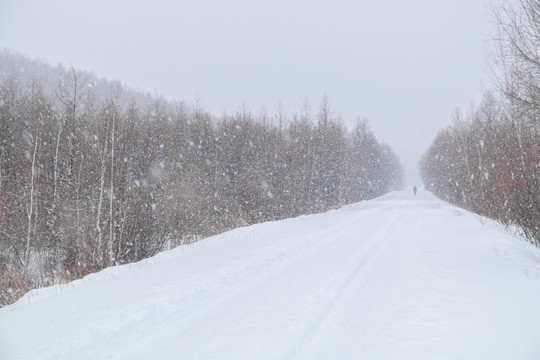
398	277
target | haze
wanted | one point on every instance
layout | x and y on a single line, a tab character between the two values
404	65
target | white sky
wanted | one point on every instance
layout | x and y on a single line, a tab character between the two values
403	64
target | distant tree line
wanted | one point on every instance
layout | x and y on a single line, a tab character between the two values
489	160
90	179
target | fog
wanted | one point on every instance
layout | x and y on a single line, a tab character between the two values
404	65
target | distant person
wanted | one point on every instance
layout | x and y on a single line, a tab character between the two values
414	189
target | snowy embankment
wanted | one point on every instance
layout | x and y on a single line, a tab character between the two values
398	277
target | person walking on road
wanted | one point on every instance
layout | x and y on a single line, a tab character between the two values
414	189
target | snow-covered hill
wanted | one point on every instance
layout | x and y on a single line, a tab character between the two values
398	277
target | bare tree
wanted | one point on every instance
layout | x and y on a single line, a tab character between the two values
71	91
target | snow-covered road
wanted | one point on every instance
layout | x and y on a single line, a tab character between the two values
398	277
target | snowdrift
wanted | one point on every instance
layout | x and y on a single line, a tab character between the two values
398	277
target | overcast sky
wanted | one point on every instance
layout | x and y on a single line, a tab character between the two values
405	65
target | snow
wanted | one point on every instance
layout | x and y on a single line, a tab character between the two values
398	277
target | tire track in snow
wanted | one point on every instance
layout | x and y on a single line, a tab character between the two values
358	272
393	278
240	280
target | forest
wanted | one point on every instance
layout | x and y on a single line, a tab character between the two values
94	175
488	160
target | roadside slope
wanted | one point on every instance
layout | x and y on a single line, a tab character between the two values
398	277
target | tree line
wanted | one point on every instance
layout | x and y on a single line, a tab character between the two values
488	161
91	177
